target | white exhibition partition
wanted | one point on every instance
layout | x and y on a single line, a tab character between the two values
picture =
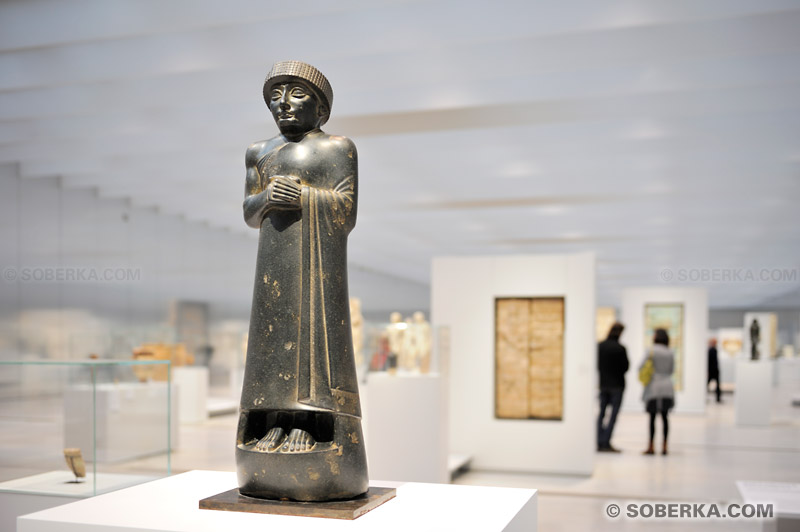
463	299
692	398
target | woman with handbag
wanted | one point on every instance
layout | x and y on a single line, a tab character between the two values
659	393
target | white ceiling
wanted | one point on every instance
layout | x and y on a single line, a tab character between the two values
661	135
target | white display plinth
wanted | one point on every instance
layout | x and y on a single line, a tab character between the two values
192	387
131	420
784	496
171	505
46	490
727	370
787	371
753	392
219	406
406	428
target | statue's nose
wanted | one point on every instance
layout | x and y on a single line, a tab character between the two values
284	105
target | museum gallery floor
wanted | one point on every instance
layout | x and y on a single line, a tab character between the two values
708	455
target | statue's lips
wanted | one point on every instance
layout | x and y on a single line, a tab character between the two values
285	117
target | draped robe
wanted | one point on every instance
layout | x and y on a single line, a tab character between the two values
300	348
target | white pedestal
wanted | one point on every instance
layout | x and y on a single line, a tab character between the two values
38	492
171	505
406	429
727	370
787	371
192	385
131	420
753	392
237	382
785	498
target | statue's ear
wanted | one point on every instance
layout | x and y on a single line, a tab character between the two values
322	110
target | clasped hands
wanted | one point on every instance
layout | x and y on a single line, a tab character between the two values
284	192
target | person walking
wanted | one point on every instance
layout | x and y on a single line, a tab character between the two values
612	363
713	366
659	394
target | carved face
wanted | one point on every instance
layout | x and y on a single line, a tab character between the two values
295	107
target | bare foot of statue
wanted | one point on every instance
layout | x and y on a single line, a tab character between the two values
271	441
298	441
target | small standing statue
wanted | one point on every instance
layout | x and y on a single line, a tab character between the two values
755	338
396	333
424	341
299	434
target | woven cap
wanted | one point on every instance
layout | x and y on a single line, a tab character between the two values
284	71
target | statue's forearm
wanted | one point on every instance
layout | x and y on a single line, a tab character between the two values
255	208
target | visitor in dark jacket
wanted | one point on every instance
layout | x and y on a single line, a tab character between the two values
612	363
713	366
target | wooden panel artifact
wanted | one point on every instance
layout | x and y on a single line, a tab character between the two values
529	358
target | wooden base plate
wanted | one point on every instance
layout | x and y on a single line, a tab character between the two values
233	501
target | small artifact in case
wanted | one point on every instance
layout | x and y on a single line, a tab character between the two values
75	462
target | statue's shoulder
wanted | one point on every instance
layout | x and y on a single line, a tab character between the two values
257	150
338	145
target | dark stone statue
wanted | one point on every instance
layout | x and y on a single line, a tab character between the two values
755	338
299	434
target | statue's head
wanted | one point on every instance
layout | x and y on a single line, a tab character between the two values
298	95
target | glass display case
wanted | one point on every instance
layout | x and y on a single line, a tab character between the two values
76	429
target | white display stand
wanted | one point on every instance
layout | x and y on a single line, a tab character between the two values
753	392
46	490
406	428
171	505
692	398
463	299
131	420
192	386
220	406
236	382
727	370
787	371
785	498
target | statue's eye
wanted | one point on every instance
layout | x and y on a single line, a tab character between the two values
297	92
276	94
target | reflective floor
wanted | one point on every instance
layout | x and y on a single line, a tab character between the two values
708	454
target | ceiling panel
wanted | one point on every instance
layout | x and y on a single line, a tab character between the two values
656	134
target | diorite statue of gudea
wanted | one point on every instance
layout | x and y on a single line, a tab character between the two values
299	434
